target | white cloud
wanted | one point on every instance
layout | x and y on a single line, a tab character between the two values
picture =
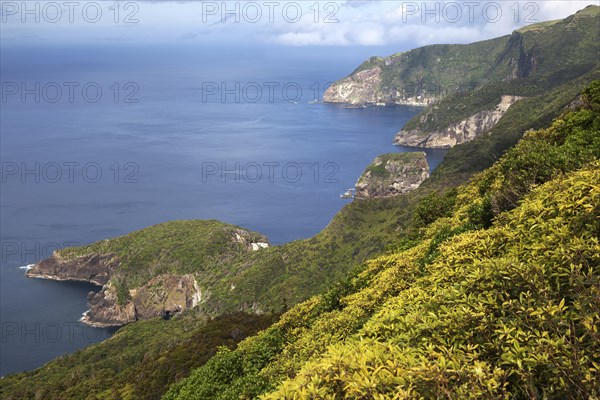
359	22
368	35
404	23
550	10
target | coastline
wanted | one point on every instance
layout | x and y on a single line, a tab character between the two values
60	279
85	320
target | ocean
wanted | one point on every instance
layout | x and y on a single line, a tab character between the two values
98	141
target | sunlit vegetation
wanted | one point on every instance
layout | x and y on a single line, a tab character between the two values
485	289
500	303
528	63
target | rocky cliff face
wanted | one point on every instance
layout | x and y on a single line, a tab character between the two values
365	88
460	132
459	83
105	309
360	88
392	174
164	296
93	268
161	294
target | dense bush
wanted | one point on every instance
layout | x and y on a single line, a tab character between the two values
511	311
433	207
140	361
494	293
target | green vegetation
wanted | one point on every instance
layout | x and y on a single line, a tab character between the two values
483	290
433	207
543	62
177	247
273	279
445	69
377	168
531	113
508	311
211	250
139	362
471	78
370	63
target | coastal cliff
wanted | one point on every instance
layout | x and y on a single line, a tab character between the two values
392	174
503	262
459	132
93	268
164	296
466	89
422	76
160	278
364	88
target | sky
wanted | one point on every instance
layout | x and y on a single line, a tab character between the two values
370	23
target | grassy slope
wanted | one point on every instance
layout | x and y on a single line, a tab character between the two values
281	276
379	169
530	113
139	362
509	312
363	229
205	248
498	299
562	51
439	66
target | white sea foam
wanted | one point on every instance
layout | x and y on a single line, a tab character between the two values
27	267
83	316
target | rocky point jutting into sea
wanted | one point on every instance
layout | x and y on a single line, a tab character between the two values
161	289
392	174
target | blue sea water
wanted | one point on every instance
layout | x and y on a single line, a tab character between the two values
233	134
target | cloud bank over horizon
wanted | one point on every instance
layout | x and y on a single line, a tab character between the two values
287	23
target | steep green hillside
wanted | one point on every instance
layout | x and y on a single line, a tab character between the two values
139	362
297	270
275	278
177	247
416	232
499	299
531	113
459	81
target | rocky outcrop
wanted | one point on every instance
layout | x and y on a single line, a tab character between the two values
93	268
460	132
105	309
522	63
365	88
251	243
392	174
163	296
359	88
